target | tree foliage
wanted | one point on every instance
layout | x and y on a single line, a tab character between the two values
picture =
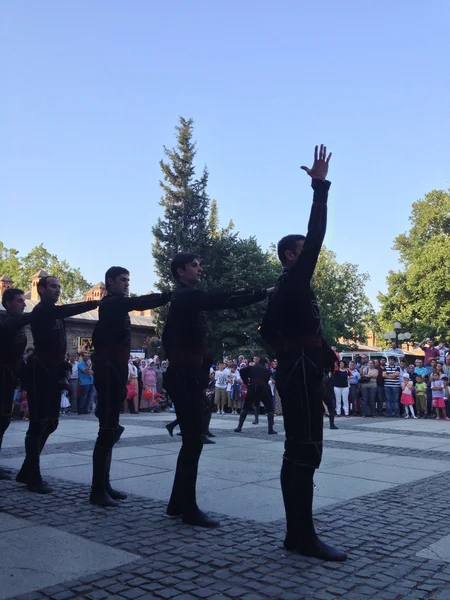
419	295
346	311
21	269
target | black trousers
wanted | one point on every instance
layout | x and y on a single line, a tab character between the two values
299	383
186	387
110	381
256	394
44	401
8	382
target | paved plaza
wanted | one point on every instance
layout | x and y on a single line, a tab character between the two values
383	494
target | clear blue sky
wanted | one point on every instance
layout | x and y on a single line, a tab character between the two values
91	92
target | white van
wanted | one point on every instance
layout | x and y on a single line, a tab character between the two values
348	356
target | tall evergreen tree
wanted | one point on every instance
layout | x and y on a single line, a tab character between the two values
185	202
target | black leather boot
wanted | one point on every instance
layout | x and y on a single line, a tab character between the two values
297	486
115	494
99	494
256	411
332	425
270	420
242	418
171	426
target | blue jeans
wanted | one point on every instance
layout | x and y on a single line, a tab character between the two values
86	394
392	405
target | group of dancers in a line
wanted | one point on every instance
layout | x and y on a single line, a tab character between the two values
291	324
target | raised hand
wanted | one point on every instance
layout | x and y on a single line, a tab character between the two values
319	169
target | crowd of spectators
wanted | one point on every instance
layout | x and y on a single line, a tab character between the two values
394	388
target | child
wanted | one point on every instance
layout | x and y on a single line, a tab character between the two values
421	396
234	383
65	404
407	398
446	385
220	394
437	392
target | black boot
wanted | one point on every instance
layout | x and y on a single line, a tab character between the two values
210	435
270	420
30	472
171	426
119	432
115	494
242	418
206	440
99	494
131	408
256	411
332	425
297	486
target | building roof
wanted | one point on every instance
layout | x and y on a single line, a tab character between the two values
6	278
92	315
40	273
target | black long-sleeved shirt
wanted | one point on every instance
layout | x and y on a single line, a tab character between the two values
13	339
185	329
49	329
293	310
255	373
112	333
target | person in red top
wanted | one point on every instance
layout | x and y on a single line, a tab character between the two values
430	351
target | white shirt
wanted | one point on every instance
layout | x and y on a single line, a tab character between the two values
74	374
221	379
132	371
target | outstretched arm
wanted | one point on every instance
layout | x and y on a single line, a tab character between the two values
200	300
305	264
139	302
64	311
12	323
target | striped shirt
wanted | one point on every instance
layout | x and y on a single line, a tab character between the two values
392	382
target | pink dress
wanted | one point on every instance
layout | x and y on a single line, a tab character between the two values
407	397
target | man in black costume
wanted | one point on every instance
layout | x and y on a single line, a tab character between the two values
43	374
292	325
13	341
256	378
112	344
188	374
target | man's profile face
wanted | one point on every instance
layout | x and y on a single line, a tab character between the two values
120	285
256	360
17	305
52	291
192	272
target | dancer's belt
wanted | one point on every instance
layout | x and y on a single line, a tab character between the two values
258	382
182	358
301	341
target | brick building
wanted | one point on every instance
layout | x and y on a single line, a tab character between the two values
81	327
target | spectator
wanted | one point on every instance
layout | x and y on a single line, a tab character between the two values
368	388
341	378
85	374
430	351
394	348
443	351
437	393
445	383
407	396
446	367
149	383
220	394
353	387
380	399
391	387
73	382
421	397
133	381
419	369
